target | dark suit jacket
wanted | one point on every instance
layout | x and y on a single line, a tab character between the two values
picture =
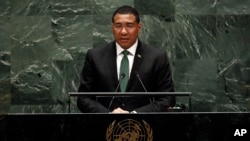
99	74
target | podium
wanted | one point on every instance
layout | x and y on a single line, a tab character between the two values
186	126
129	94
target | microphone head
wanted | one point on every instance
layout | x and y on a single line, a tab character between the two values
137	74
122	75
139	55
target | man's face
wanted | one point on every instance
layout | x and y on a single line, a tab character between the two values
125	29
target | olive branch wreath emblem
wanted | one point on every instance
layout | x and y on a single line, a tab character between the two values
110	129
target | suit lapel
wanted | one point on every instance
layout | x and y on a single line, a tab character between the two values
138	59
111	55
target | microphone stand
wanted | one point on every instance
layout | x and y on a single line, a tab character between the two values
118	85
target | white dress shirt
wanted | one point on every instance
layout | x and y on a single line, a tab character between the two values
131	56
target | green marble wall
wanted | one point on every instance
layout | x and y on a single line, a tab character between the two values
43	46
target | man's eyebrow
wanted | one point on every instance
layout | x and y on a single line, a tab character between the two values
125	23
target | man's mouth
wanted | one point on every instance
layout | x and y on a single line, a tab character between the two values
124	39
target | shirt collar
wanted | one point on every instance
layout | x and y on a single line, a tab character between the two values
131	49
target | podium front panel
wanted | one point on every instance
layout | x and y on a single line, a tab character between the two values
116	127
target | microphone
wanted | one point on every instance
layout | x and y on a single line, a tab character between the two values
116	89
139	78
120	79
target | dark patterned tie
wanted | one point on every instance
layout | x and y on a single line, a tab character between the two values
124	69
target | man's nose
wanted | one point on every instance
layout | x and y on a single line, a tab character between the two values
124	30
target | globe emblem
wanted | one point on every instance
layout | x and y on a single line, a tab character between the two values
129	130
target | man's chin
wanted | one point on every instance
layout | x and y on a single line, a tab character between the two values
125	45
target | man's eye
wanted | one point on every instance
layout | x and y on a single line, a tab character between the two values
130	25
118	25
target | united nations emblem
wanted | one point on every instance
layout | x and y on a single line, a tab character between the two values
129	130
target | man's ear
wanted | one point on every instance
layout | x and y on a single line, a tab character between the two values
140	26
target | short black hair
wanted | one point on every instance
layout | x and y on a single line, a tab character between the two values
126	10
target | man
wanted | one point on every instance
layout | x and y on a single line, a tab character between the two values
139	69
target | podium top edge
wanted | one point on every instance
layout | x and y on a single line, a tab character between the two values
129	93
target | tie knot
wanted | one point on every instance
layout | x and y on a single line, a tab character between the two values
125	52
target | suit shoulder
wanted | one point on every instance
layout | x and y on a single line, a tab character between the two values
153	50
101	49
